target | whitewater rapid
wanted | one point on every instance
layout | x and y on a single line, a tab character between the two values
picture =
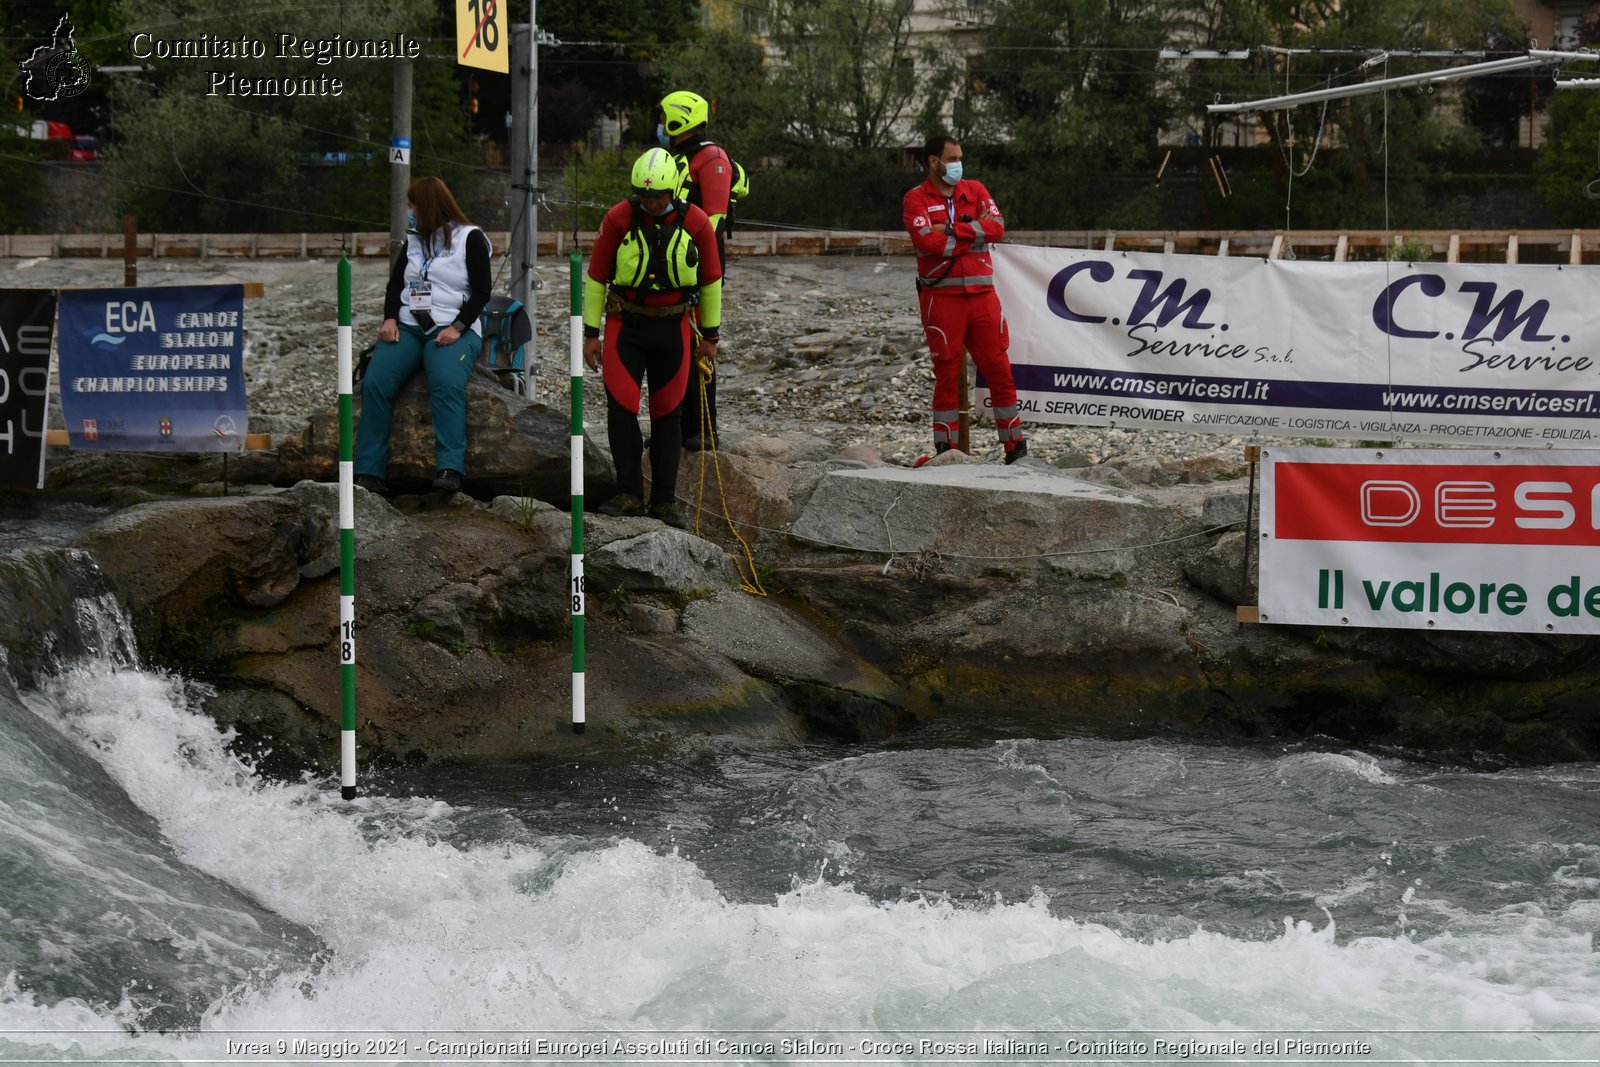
457	922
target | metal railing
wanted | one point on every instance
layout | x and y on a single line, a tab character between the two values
1449	246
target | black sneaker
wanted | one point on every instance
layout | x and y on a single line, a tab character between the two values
1020	452
621	504
699	444
447	480
372	484
670	513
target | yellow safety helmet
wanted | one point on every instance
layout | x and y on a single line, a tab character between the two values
655	172
682	111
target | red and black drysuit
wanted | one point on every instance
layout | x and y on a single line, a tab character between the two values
955	294
671	265
708	185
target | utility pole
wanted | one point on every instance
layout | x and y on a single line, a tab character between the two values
400	154
525	176
521	44
532	192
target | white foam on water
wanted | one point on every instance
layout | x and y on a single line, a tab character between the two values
1012	756
610	935
1357	765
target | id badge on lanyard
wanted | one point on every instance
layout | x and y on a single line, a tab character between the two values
421	296
422	289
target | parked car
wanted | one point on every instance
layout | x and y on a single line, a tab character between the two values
80	149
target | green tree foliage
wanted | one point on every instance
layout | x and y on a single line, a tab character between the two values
597	180
1365	40
1076	75
1071	87
25	163
1064	107
607	63
22	177
198	154
821	116
97	36
853	74
191	165
1568	164
1067	109
1497	106
749	113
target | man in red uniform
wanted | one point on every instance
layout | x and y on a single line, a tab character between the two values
654	259
706	181
953	222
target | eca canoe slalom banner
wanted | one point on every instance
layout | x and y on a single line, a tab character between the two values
1442	539
27	317
1460	353
154	370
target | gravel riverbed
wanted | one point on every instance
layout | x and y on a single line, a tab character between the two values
828	346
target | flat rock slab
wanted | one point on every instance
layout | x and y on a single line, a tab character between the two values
770	642
988	514
662	559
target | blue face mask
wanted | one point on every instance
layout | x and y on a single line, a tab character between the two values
661	136
952	172
411	220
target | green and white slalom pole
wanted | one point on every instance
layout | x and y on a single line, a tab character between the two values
575	267
347	543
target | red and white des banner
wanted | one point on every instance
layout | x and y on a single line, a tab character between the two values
1449	539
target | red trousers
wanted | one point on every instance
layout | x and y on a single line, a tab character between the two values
956	320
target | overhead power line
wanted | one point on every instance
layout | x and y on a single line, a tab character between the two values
1534	58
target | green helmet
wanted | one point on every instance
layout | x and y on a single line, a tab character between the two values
655	172
682	111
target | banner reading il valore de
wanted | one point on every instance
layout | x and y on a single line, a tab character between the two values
1462	353
156	369
1459	539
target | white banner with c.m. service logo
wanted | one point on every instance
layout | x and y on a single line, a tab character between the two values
1462	353
1443	539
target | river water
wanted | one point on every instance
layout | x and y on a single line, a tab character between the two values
1036	899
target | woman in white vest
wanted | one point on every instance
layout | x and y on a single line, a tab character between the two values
437	289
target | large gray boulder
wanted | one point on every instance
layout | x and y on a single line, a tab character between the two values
1032	518
42	620
963	590
837	692
142	474
183	566
514	447
751	491
463	632
659	560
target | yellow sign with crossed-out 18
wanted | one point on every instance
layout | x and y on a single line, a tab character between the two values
483	36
